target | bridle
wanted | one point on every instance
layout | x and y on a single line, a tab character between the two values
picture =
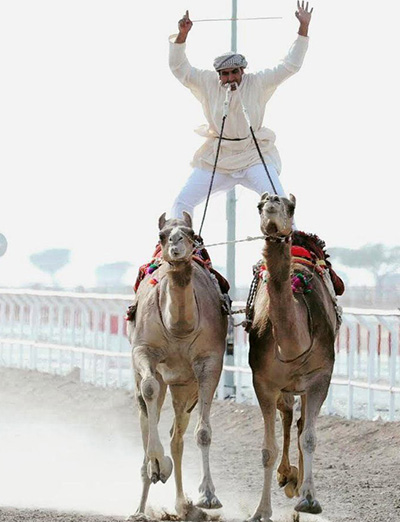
279	239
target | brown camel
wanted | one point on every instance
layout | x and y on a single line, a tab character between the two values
178	340
291	353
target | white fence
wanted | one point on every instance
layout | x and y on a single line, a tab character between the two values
58	332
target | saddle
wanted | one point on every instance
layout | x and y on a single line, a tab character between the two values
309	249
200	256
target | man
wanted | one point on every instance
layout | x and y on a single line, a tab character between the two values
238	162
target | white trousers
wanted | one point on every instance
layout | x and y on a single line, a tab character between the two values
197	186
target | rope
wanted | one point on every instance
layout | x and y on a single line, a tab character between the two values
311	331
213	175
224	115
246	115
248	238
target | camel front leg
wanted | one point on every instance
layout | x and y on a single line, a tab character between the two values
183	398
308	440
300	426
267	401
159	467
143	419
207	371
287	474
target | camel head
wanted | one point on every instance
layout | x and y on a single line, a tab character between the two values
276	213
176	237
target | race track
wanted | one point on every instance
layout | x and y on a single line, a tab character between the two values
72	452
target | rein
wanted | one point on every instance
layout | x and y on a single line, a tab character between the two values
224	115
279	239
310	330
246	115
220	138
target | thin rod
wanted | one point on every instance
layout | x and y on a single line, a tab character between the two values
238	19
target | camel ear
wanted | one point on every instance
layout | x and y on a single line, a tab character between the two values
187	218
162	221
292	199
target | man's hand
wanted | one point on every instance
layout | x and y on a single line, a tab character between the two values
303	15
184	25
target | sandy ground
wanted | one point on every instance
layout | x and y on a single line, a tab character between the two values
71	452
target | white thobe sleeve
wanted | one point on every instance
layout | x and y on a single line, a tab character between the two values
271	78
194	79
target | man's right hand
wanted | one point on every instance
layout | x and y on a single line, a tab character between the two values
184	25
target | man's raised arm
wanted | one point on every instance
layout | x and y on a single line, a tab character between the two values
303	15
184	25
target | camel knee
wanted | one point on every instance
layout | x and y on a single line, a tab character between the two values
269	456
150	388
143	471
203	437
141	404
308	441
176	436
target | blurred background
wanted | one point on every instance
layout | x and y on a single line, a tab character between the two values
97	137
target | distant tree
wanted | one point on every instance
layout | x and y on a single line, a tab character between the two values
3	245
378	259
110	275
51	261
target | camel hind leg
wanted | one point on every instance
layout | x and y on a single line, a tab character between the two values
287	474
183	400
207	371
314	399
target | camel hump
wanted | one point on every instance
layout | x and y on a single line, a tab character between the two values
202	257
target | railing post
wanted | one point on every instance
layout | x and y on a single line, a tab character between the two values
221	387
393	327
371	370
353	350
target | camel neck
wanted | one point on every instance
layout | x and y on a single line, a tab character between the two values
287	318
278	259
181	304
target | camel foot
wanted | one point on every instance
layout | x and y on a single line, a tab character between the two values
291	490
138	517
159	469
258	518
208	500
285	478
191	512
289	482
308	505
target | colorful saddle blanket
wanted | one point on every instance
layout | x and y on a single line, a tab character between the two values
309	249
200	256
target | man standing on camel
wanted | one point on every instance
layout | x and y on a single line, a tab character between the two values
239	161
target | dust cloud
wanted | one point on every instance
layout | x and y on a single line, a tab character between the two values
68	446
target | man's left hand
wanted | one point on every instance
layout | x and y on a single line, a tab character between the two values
303	15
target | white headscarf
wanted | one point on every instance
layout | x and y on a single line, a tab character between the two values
229	60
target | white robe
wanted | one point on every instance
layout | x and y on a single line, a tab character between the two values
255	90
